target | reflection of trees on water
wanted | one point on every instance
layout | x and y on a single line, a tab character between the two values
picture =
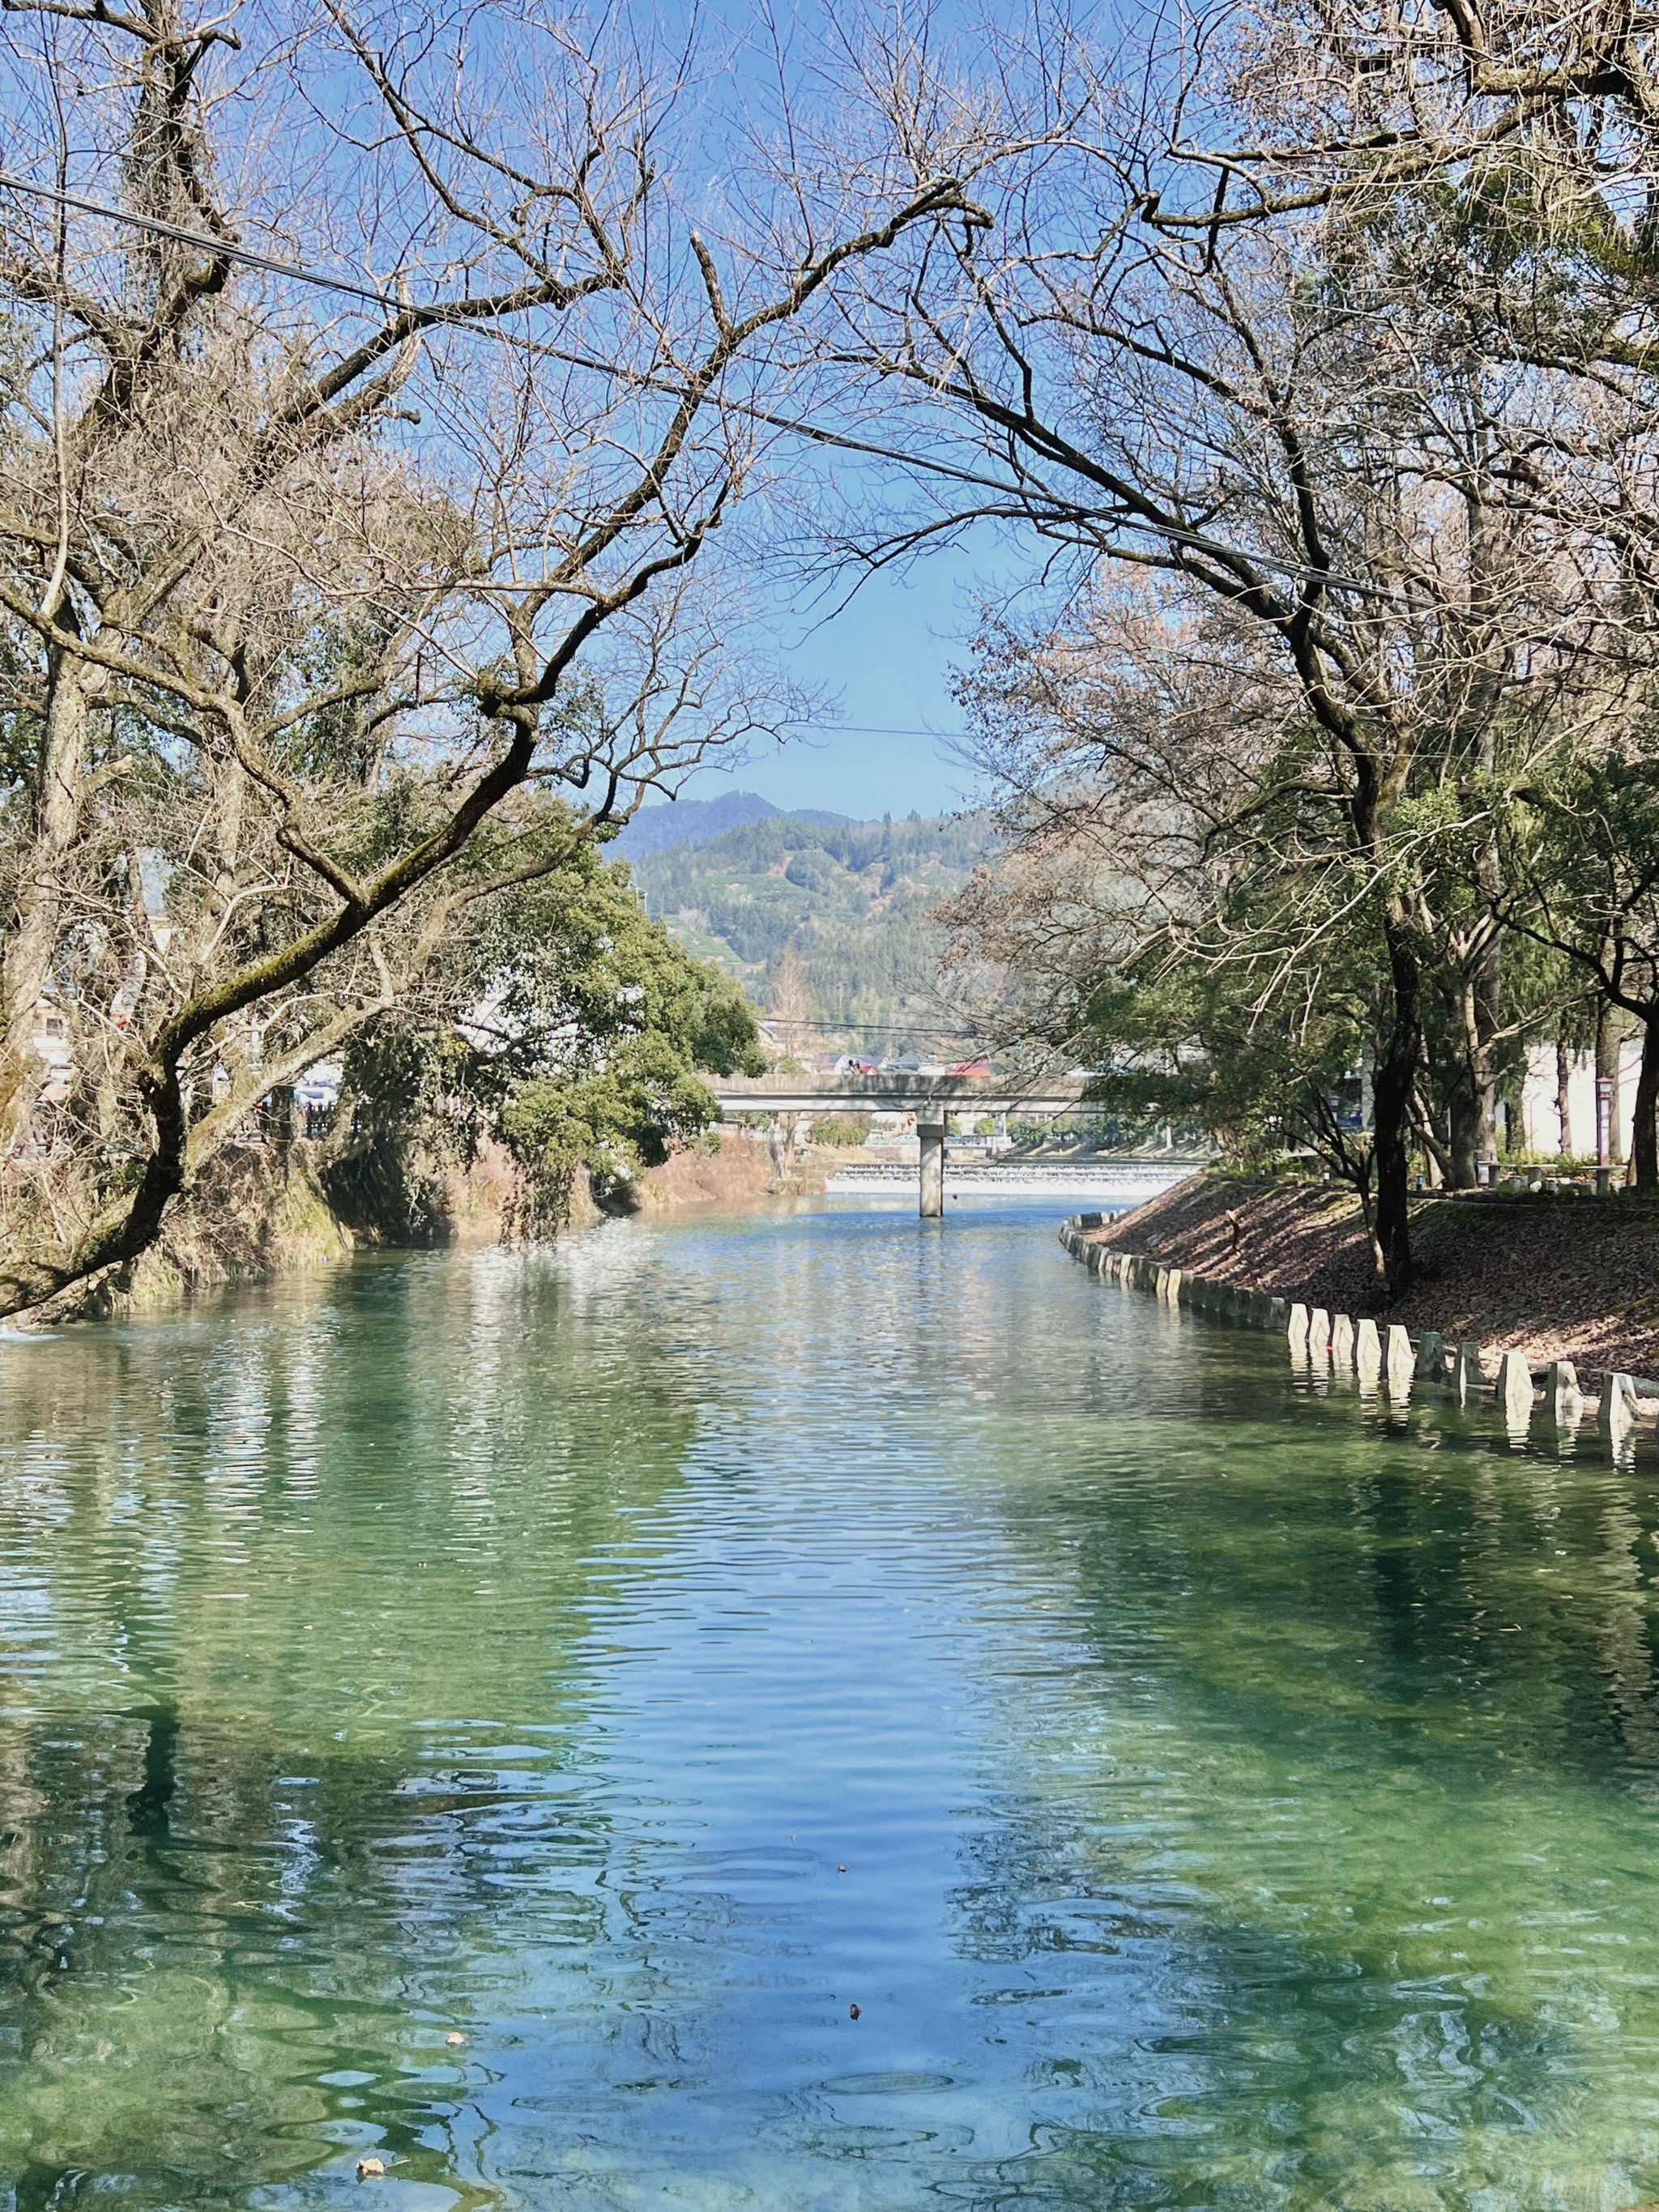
1301	1683
246	1846
1369	1731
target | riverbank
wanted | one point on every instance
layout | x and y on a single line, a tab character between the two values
741	1167
268	1210
257	1210
1554	1278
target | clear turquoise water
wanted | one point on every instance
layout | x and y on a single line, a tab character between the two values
1211	1794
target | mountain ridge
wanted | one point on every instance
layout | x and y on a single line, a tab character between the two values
696	821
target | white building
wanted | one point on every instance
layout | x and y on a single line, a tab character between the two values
1540	1118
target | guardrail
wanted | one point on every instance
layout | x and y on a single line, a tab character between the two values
898	1094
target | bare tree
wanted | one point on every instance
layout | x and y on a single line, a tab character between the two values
1522	141
376	420
1270	420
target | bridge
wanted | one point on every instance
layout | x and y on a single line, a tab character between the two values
931	1098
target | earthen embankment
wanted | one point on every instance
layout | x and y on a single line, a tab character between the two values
1554	1278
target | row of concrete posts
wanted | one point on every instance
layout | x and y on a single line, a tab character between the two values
1386	1359
1393	1361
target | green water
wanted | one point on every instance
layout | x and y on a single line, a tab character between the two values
1210	1793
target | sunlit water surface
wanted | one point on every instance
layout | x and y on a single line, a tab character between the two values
629	1660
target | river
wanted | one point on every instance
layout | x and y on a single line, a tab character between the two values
1210	1793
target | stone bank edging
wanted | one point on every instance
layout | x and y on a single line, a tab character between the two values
1395	1360
1141	1271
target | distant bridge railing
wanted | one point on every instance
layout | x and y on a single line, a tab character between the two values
932	1099
894	1093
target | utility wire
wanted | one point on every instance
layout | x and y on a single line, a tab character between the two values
880	730
864	1029
1171	532
204	240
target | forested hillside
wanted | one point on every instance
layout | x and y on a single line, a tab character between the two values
826	923
696	821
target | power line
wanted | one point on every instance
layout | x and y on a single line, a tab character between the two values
204	240
1171	532
864	1029
881	730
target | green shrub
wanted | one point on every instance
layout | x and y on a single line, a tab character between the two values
842	1129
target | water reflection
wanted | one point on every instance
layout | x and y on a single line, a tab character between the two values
1209	1790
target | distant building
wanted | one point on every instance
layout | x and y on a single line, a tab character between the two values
1540	1119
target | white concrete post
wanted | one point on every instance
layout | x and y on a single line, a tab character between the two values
1467	1373
1515	1390
1342	1343
1431	1357
1296	1328
1367	1351
1617	1409
1561	1394
1401	1359
931	1138
1319	1334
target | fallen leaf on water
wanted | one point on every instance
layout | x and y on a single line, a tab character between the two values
839	1868
454	2037
368	2167
852	2012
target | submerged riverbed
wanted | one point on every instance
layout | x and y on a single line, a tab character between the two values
631	1660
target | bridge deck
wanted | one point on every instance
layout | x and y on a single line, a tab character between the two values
897	1094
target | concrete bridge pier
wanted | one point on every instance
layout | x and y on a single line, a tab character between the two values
931	1136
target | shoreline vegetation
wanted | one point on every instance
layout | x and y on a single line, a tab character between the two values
268	1213
1551	1278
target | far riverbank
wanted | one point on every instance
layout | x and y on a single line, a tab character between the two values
273	1210
1554	1278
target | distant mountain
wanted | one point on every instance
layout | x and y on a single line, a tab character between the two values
695	821
826	921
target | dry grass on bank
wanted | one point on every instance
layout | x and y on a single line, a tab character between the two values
741	1168
1555	1278
259	1211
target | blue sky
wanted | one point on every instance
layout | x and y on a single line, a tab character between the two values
884	660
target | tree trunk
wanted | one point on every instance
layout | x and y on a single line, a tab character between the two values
1396	1081
1485	1009
32	939
1644	1133
1472	1099
1463	1133
1563	1094
1609	1037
